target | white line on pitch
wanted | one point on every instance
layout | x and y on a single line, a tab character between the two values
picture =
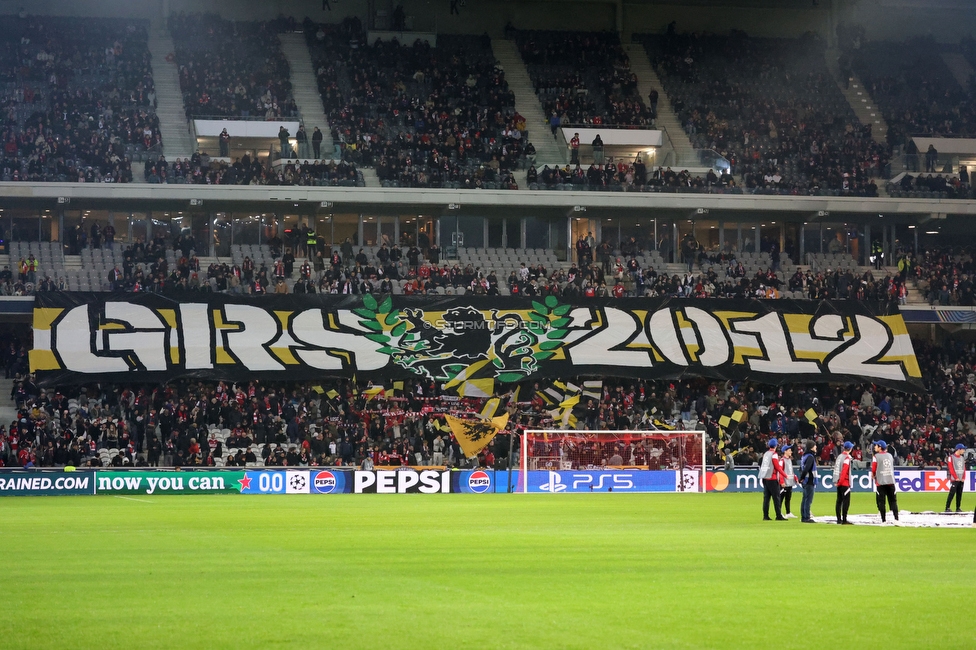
131	499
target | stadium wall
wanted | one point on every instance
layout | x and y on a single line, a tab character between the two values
946	20
152	482
907	479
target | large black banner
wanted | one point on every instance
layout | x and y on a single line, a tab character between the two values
474	346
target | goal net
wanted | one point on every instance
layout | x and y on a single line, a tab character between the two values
634	461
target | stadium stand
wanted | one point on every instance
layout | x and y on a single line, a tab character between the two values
77	99
232	68
583	78
915	90
199	169
211	423
772	109
423	116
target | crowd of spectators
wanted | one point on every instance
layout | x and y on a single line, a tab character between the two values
423	116
343	423
771	108
943	275
583	78
914	89
200	169
232	68
76	99
936	186
624	176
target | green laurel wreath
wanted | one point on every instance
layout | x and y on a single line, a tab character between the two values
408	348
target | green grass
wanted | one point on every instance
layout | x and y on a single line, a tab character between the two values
474	571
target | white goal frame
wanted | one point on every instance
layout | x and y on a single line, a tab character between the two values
524	447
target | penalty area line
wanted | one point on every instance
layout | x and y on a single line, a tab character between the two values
131	499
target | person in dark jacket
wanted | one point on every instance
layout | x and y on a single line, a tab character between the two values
808	481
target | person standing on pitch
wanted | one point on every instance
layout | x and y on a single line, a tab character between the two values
842	479
788	479
883	473
808	480
956	467
769	472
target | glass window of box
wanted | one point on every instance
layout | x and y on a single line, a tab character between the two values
222	233
24	224
346	226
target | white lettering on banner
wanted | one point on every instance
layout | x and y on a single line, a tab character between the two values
258	329
219	336
604	346
403	481
386	482
861	357
196	332
363	480
620	481
74	341
406	480
714	347
749	482
309	328
144	334
153	481
44	483
775	346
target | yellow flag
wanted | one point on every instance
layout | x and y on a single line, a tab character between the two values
332	394
373	392
474	435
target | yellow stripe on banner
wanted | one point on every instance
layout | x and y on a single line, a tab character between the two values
798	323
169	316
728	316
286	356
43	360
740	354
218	319
222	357
283	317
895	323
44	316
110	326
909	362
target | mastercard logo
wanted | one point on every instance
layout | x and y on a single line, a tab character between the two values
716	481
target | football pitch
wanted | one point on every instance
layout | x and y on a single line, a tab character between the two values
475	571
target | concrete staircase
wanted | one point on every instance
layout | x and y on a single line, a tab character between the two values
8	410
369	177
548	149
173	125
857	96
666	118
305	89
959	67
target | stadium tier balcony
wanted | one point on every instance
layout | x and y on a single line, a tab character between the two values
232	69
199	169
423	116
630	176
76	98
770	107
583	78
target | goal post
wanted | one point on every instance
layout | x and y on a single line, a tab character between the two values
569	460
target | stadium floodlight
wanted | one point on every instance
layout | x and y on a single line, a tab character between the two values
558	460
